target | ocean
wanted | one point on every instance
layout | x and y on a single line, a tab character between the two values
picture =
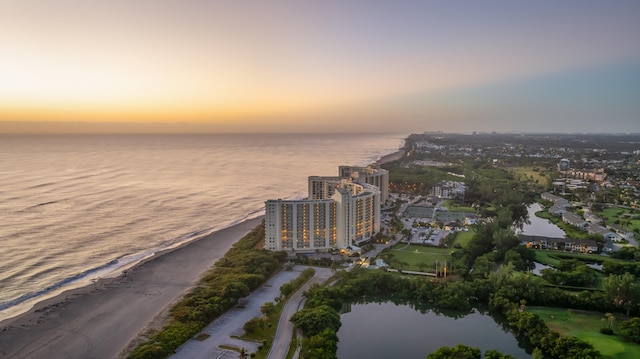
74	208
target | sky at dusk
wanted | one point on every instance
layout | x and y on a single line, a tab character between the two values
321	66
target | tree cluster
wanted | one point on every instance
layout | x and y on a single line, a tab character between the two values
288	288
466	352
570	272
620	268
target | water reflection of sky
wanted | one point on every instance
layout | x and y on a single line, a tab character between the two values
540	226
386	330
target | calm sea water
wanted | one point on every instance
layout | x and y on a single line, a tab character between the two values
77	207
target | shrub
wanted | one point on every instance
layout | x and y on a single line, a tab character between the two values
606	331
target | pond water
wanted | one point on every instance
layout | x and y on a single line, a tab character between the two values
387	330
540	226
539	267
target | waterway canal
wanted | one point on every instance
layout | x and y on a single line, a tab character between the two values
540	226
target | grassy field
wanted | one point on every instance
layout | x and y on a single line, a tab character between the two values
586	326
457	208
414	255
463	238
611	215
540	176
552	257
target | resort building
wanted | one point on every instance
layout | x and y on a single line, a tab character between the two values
373	175
449	189
323	187
340	212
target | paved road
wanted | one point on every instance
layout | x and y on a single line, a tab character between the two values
284	333
231	323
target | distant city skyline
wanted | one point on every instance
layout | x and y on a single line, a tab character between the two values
289	66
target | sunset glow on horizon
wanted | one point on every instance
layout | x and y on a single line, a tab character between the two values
286	65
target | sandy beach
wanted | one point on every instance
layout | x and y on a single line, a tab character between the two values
102	319
391	157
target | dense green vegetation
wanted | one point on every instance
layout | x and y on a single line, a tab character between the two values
465	352
241	270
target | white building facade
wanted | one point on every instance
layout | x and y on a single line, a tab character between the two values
373	175
338	213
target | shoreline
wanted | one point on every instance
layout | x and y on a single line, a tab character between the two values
391	157
103	318
6	314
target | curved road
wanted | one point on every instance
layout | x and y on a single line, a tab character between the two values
284	333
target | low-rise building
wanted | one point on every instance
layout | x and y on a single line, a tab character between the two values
575	220
606	233
622	232
566	244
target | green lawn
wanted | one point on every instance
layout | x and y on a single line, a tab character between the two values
586	326
546	257
457	208
553	257
463	238
611	215
413	255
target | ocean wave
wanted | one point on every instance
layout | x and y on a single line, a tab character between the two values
57	285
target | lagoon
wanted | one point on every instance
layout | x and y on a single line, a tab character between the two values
387	330
540	226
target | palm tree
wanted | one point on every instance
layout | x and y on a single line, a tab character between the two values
243	354
610	319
